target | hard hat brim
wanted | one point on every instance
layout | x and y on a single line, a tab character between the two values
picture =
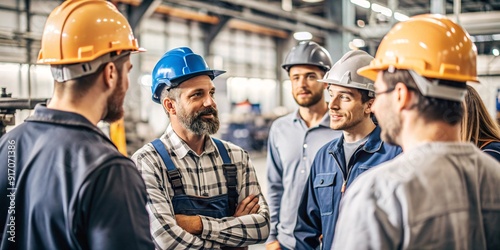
369	72
179	80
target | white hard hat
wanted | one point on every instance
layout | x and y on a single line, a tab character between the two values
343	72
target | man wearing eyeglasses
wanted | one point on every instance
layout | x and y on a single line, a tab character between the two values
340	161
441	193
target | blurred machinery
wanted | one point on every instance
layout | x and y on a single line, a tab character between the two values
118	136
9	106
247	127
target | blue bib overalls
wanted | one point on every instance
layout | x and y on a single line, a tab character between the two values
218	206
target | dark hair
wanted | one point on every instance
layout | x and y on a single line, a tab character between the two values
430	108
365	95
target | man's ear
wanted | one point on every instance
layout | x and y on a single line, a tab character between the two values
369	104
169	106
110	75
404	97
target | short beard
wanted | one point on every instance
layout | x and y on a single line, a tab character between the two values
391	130
115	103
308	103
196	124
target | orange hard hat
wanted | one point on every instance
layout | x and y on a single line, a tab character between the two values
431	45
80	31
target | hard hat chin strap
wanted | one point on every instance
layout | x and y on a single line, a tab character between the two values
434	89
62	73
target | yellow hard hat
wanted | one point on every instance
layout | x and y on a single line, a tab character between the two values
431	45
80	31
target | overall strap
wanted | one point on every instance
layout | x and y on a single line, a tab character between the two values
230	173
222	151
173	173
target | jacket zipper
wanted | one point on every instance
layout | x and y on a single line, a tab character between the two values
349	170
341	170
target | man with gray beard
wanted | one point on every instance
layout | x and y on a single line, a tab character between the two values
203	193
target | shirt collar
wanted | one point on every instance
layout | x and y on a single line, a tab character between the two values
325	122
47	115
180	148
372	145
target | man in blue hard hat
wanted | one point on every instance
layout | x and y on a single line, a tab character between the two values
203	192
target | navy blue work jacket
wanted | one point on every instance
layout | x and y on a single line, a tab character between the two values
64	185
319	208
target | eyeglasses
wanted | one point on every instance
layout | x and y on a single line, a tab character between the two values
384	92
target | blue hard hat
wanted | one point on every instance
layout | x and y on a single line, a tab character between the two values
177	66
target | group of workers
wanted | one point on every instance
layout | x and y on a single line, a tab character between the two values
387	163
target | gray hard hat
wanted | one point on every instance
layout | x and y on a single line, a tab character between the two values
344	71
308	53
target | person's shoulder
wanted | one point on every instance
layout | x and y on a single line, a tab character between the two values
389	171
379	181
492	148
329	145
231	147
236	153
145	151
392	148
285	120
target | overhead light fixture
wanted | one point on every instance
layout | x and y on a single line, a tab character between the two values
302	36
312	1
286	5
382	10
400	17
359	43
360	23
361	3
495	52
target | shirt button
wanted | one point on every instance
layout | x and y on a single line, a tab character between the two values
305	145
302	171
304	158
321	182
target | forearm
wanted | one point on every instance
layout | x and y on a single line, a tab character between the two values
172	236
236	231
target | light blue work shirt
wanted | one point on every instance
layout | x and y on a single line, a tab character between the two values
291	150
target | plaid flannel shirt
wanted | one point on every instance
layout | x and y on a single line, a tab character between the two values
201	175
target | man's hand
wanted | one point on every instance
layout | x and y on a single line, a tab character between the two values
273	245
190	223
249	205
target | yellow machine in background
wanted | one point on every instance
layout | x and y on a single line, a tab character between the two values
117	135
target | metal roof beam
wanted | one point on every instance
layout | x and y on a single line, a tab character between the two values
296	15
247	15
